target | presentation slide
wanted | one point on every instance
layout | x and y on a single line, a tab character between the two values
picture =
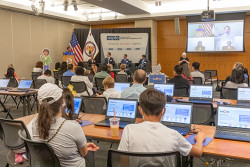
122	108
217	36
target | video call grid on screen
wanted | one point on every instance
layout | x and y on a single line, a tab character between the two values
123	108
243	94
177	113
121	86
234	117
4	83
25	84
201	91
77	104
217	36
165	88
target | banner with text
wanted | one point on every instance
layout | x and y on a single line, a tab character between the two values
118	44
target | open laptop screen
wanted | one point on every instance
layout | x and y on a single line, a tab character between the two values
123	108
168	89
178	113
4	83
121	86
25	84
243	94
77	105
201	91
233	117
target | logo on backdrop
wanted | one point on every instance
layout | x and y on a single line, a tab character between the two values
89	48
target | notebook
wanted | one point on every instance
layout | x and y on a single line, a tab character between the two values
125	109
121	86
233	122
243	96
201	94
178	116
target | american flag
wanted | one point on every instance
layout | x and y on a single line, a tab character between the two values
208	29
76	49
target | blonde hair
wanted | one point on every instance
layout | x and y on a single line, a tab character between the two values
109	81
123	66
86	72
186	71
110	66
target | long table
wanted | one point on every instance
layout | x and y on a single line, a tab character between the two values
24	95
218	148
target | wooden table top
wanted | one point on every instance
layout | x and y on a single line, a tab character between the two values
229	101
217	147
3	92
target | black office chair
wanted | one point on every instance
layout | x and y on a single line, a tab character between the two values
147	67
94	105
121	78
66	81
35	75
229	93
133	68
79	87
39	82
13	83
214	74
208	78
135	159
39	153
197	81
11	140
98	82
181	92
56	77
203	113
59	75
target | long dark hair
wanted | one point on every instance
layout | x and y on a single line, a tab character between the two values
46	116
69	101
237	76
64	67
10	73
57	65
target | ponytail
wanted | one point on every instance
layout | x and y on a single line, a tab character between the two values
46	116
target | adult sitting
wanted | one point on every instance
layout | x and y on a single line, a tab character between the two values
47	76
237	79
70	71
79	77
178	80
137	88
103	73
196	71
38	67
66	137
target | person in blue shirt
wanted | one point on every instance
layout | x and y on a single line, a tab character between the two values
125	61
137	88
70	71
69	51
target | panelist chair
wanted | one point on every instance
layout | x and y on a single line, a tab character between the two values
11	140
118	158
39	153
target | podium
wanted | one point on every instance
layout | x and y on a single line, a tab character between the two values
70	59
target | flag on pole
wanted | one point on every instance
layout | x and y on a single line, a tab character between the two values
76	49
90	47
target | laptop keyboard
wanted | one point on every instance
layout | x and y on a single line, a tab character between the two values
122	124
200	101
232	135
182	130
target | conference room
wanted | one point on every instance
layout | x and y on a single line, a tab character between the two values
125	83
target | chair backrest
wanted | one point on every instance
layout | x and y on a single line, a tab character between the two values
228	93
9	132
59	75
121	78
197	81
90	76
94	105
98	82
39	82
35	75
148	67
13	83
40	153
120	158
133	68
181	92
207	75
66	80
213	72
202	113
79	87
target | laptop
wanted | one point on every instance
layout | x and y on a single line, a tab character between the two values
125	109
121	86
23	86
233	122
201	94
178	116
168	88
77	107
157	79
4	83
243	96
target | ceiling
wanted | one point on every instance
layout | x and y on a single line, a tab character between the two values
106	11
